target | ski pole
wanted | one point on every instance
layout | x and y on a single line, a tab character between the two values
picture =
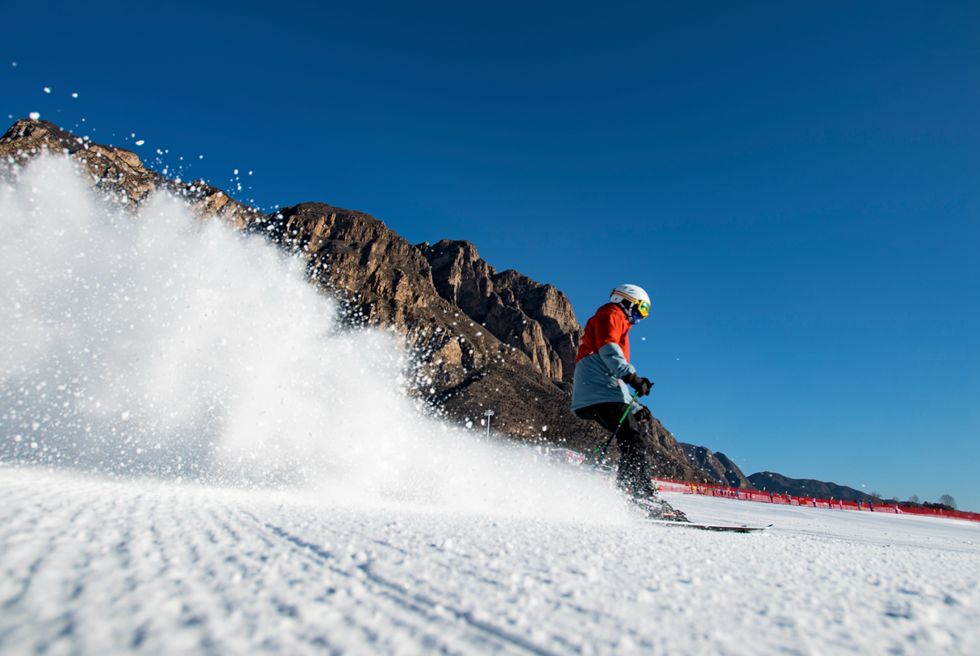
605	447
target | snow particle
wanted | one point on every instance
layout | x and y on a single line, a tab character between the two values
74	94
35	116
140	142
47	89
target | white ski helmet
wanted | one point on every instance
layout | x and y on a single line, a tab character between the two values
634	299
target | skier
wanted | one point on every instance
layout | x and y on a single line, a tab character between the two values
599	387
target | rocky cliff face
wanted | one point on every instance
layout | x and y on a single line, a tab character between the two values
536	319
483	340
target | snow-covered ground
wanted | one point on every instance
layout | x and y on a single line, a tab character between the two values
91	566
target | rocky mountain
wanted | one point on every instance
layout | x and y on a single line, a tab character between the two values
117	172
536	319
806	487
716	465
483	340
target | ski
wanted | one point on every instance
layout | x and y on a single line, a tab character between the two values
721	528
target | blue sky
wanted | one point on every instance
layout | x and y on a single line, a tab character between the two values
796	184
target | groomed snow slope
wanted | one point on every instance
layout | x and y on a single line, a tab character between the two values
93	567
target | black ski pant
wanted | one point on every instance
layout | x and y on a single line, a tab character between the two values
633	474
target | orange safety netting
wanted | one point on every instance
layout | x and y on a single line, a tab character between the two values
705	489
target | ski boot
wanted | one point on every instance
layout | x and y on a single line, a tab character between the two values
671	514
654	507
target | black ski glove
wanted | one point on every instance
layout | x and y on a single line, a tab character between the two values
643	415
641	385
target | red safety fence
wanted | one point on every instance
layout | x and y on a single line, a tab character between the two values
705	489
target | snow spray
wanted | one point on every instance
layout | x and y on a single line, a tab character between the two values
161	344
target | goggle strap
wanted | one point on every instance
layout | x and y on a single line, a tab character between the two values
632	300
626	296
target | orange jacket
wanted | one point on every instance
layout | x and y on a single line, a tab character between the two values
608	325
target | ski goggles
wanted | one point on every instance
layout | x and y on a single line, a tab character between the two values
643	309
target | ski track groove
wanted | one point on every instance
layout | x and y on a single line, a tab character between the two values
419	606
478	575
473	575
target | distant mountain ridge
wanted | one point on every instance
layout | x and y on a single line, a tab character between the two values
806	487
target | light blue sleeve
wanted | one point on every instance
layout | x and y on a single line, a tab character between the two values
617	364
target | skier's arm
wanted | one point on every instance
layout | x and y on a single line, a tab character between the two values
617	364
615	360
